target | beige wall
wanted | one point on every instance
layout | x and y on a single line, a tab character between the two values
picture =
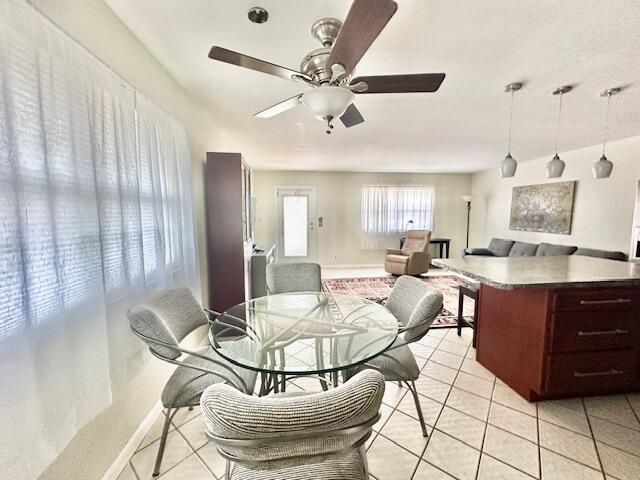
338	202
93	24
603	209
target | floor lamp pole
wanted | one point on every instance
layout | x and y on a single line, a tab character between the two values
467	199
468	217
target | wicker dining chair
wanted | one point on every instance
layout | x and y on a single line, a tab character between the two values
162	323
295	436
415	305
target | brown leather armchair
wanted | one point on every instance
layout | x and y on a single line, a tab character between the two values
413	258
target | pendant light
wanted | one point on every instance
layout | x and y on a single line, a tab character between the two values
555	166
603	167
508	166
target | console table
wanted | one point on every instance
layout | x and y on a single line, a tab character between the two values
443	244
554	327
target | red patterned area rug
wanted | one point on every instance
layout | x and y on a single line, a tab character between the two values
377	289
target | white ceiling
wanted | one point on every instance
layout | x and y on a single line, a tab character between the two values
481	45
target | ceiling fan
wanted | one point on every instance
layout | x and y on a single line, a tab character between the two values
329	69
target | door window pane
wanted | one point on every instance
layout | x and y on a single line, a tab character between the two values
294	224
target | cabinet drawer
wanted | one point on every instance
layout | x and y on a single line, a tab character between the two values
594	330
591	372
601	299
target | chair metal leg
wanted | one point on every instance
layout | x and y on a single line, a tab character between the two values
416	400
163	441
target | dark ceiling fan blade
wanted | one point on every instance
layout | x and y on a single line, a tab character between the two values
241	60
364	22
351	116
418	82
278	108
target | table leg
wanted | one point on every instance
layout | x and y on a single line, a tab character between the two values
441	250
447	245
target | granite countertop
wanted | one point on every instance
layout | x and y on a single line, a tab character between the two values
544	272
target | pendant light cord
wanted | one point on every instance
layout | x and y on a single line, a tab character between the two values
606	124
558	126
510	123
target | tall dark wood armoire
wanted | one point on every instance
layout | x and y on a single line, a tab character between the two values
227	187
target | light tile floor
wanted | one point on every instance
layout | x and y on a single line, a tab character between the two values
479	429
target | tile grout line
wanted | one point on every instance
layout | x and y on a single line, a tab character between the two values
426	445
486	427
593	438
633	410
538	437
435	423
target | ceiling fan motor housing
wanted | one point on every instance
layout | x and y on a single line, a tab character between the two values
314	64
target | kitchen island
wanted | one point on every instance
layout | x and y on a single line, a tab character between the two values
554	327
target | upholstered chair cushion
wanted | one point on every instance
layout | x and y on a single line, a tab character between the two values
186	384
523	249
293	277
591	252
397	363
500	247
416	241
292	428
552	250
415	305
403	259
169	317
334	467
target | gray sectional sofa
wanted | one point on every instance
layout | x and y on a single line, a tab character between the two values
499	247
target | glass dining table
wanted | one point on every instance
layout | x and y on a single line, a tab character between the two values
302	334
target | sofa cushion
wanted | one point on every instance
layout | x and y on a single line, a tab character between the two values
592	252
397	258
553	250
500	247
523	249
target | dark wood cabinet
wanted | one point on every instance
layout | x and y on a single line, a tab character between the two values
553	343
225	196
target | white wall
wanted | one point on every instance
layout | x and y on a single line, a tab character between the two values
94	25
338	197
603	209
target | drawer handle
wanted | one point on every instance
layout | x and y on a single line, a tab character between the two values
606	373
596	333
605	302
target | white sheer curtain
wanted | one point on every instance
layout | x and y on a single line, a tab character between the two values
95	212
387	210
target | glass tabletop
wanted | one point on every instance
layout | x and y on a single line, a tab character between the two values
303	333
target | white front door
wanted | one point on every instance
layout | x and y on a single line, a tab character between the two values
296	227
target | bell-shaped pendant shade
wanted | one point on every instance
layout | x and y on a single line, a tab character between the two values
602	168
555	167
508	167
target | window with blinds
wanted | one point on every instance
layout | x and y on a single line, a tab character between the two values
92	183
387	211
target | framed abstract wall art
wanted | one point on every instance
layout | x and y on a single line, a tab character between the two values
547	207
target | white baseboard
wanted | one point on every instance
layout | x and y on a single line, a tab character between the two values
357	265
130	448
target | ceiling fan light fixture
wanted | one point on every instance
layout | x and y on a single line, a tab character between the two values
327	102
